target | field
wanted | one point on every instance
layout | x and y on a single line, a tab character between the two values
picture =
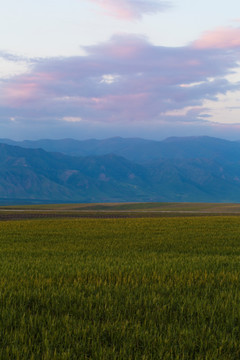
121	288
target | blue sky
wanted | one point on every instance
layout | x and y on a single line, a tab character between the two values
100	68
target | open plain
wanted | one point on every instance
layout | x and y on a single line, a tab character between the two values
144	286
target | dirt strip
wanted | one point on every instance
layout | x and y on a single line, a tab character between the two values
28	215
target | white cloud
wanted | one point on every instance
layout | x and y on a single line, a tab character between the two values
72	119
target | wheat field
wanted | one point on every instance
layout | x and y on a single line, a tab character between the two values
161	288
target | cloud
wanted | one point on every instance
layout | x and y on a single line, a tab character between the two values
131	9
11	65
125	80
10	57
220	38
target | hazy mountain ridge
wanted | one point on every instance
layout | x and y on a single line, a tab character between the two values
176	169
141	150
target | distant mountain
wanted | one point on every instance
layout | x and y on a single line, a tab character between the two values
140	150
36	175
196	180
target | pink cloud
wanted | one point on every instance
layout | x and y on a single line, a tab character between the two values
131	9
18	94
220	38
25	89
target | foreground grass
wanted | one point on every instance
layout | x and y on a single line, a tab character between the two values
166	288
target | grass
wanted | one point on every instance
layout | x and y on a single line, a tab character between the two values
163	288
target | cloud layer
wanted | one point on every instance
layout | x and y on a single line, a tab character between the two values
125	80
131	9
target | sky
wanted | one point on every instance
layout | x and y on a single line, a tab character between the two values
132	68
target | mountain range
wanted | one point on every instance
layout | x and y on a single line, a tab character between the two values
194	169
